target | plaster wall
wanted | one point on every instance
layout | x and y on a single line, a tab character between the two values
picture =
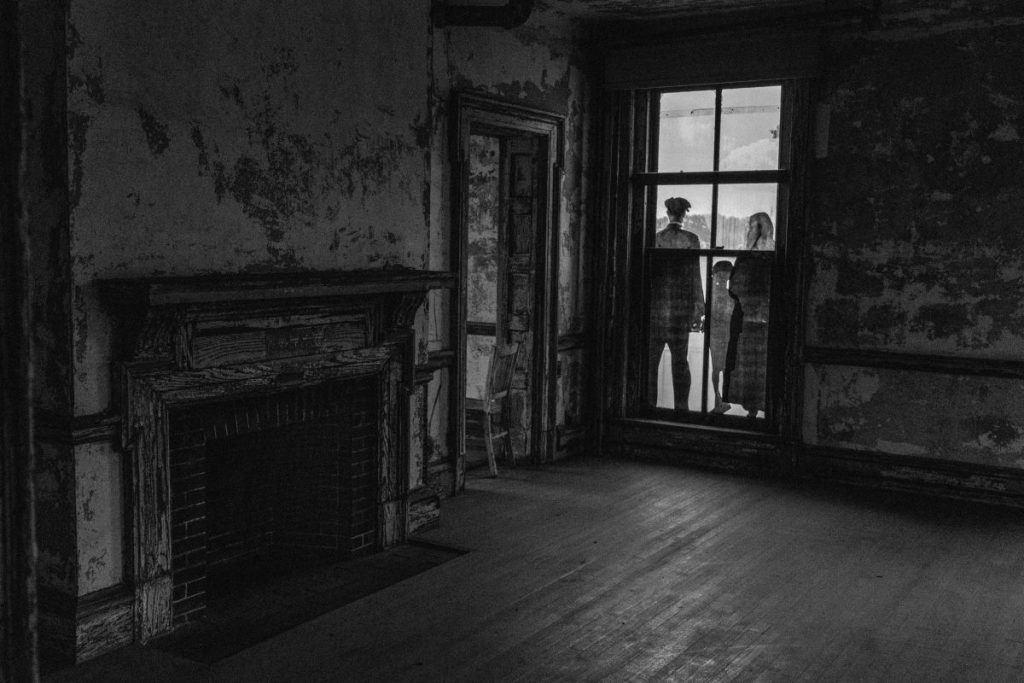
100	511
241	136
915	239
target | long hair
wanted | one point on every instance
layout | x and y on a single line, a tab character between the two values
766	231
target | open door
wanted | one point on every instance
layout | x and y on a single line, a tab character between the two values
505	244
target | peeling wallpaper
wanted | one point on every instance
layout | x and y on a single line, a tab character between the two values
917	246
916	243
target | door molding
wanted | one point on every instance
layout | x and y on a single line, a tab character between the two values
474	112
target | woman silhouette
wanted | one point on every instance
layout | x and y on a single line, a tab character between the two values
750	286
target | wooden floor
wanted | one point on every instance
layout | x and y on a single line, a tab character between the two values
608	570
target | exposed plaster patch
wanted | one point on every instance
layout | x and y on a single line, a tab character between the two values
1005	133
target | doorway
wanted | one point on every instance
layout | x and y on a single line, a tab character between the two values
507	161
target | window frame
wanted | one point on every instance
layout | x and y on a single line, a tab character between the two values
643	182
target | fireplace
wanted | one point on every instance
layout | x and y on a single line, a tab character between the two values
266	417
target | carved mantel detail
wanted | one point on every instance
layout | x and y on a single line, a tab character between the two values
207	338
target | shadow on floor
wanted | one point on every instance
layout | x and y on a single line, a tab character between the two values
275	596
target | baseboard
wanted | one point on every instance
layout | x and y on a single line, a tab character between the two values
105	622
928	476
765	455
56	621
741	452
424	510
572	442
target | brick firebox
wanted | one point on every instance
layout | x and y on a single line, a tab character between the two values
287	476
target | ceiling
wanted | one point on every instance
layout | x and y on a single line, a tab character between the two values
651	9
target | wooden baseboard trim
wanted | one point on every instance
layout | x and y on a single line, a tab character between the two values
424	510
730	451
75	629
929	476
573	442
56	628
104	622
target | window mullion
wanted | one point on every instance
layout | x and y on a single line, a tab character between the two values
709	177
708	260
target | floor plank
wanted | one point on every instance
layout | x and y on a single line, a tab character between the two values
616	571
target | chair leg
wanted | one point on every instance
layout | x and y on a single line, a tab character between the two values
489	445
508	447
510	454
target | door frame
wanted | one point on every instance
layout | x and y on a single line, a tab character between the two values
473	111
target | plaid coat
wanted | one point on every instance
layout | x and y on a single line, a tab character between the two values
676	296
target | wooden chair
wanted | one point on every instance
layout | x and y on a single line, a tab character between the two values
492	405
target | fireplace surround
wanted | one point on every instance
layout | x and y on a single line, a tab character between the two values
235	348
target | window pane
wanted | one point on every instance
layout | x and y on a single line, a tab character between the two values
686	136
697	219
482	248
745	368
737	204
675	343
750	129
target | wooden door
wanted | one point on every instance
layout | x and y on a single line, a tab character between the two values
529	148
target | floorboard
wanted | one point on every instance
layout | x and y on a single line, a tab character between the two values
604	570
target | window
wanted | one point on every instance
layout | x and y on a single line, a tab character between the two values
711	191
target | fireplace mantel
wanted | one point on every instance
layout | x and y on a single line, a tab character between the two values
187	341
232	288
172	318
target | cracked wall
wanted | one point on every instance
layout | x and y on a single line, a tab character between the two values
916	243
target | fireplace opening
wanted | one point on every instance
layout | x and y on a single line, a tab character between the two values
264	485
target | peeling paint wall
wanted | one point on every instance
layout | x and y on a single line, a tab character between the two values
916	242
242	136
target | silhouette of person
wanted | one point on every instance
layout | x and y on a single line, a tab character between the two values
750	287
677	303
722	305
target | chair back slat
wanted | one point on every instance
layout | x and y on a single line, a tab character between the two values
503	367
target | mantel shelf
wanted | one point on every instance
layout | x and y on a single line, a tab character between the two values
158	292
